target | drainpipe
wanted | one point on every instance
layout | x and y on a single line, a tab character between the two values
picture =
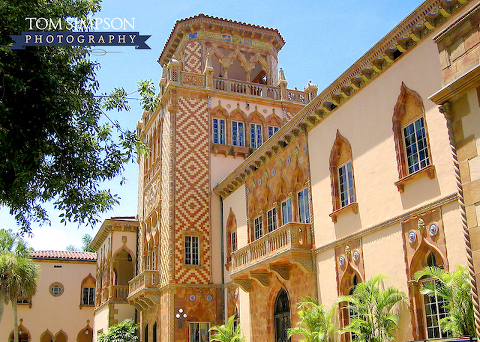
223	260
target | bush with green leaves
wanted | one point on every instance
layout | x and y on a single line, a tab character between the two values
375	306
125	331
315	324
455	288
227	332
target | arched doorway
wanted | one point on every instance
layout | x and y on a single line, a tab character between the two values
281	316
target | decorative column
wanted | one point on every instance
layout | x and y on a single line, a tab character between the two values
282	83
446	110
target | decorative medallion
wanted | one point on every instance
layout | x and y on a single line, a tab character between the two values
273	172
259	182
192	298
229	296
412	236
209	298
288	161
341	260
433	229
247	190
305	148
356	255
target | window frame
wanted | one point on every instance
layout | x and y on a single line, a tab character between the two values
271	130
350	182
89	296
257	227
272	220
289	217
238	139
189	255
303	204
233	241
219	134
416	153
191	337
256	135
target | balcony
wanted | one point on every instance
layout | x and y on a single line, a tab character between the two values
143	290
175	76
274	252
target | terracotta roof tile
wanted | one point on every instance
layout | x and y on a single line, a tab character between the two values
64	255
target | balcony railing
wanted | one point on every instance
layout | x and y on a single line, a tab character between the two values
247	88
120	292
233	86
145	280
290	236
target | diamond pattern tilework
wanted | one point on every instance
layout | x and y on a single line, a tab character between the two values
165	230
192	201
192	57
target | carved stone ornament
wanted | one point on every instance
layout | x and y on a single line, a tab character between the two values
421	225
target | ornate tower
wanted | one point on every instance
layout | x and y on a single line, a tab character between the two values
222	96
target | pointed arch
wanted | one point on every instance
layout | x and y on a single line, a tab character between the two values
341	173
123	265
46	336
231	234
256	117
85	335
281	316
409	127
87	294
61	336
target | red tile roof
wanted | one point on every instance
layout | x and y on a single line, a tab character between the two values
64	255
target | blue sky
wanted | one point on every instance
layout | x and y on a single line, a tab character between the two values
323	38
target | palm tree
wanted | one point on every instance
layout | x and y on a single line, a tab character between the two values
19	275
86	245
227	332
9	243
374	305
455	288
315	324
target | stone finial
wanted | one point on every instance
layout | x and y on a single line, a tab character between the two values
208	64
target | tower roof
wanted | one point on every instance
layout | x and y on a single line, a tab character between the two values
182	27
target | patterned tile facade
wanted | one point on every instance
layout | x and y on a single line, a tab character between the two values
165	230
192	57
192	200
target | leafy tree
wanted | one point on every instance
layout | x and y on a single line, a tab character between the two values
18	273
374	306
125	331
227	332
86	245
53	144
315	325
455	288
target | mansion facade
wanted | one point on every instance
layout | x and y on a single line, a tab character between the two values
254	196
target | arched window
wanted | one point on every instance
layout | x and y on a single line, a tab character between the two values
154	332
410	134
435	306
341	176
88	291
281	316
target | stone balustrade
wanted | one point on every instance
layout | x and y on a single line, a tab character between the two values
290	236
145	280
176	76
